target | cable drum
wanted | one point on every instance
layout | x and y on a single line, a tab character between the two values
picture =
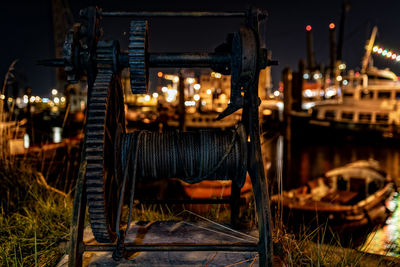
189	156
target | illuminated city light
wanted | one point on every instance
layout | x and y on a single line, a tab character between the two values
62	99
339	78
208	91
54	92
159	74
10	100
330	92
267	112
26	100
155	95
176	79
308	28
342	66
332	26
386	53
190	80
197	86
345	82
147	98
57	134
37	98
164	89
277	93
196	97
190	103
218	75
308	93
316	76
306	76
171	95
32	99
2	97
26	141
56	100
45	100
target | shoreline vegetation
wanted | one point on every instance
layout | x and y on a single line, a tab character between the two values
35	225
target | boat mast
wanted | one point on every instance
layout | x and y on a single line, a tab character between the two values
368	50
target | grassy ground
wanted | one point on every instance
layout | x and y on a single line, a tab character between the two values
34	221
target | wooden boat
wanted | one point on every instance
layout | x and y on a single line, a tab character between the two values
347	197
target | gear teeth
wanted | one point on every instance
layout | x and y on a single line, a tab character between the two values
95	132
137	56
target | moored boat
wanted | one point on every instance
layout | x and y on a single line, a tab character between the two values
345	198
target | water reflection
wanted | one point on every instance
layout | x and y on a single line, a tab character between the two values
312	158
386	240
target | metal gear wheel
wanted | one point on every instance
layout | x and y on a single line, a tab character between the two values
137	56
105	121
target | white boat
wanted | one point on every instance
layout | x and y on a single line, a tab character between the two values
370	101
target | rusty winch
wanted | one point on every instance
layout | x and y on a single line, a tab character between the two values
113	159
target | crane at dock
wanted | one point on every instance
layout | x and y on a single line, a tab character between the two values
368	50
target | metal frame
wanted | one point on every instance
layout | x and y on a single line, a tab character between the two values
247	58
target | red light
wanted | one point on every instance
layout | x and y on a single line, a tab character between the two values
332	26
308	28
357	74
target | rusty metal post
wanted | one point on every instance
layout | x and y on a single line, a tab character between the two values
235	204
181	104
76	246
287	100
297	88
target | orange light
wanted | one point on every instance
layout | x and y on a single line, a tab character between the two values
159	74
308	28
394	56
332	26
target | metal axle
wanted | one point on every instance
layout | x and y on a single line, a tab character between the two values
165	60
163	14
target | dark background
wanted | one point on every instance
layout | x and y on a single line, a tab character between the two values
27	33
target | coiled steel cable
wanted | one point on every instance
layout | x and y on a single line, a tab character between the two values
189	156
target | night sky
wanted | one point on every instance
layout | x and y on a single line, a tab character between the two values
27	32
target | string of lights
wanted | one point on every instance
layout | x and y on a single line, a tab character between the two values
386	53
